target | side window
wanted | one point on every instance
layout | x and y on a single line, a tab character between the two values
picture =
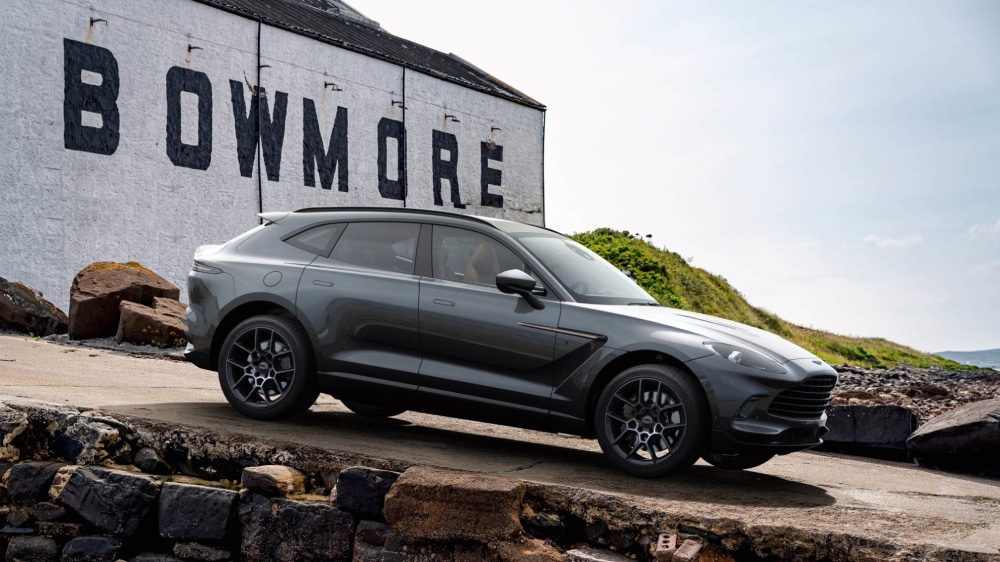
388	246
470	257
318	239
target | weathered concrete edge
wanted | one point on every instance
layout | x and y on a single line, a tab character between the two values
214	456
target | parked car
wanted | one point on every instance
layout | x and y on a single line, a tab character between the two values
391	310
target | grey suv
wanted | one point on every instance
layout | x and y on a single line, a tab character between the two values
391	310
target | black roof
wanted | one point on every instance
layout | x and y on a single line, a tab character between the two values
349	31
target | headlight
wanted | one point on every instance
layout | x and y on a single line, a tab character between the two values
202	268
747	358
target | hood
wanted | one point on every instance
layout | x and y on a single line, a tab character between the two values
715	329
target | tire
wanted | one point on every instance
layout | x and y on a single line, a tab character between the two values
371	411
652	420
266	368
741	461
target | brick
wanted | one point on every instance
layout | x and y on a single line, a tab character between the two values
688	551
666	546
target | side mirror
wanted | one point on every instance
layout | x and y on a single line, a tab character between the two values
517	282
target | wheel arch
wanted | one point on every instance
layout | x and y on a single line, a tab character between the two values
632	359
240	313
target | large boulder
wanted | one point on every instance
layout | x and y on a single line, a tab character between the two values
161	325
965	439
23	309
99	289
875	430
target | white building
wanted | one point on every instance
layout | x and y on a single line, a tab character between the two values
129	129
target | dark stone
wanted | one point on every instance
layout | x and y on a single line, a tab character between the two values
99	289
162	325
29	482
150	462
966	439
375	542
14	531
24	310
274	480
154	557
63	530
200	553
277	529
48	511
544	526
88	441
17	518
32	549
112	500
595	530
196	513
91	549
361	490
878	430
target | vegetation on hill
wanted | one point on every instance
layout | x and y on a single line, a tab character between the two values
674	283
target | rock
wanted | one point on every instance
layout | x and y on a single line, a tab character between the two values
29	482
150	462
375	542
59	530
966	439
594	555
278	529
48	511
362	490
59	482
274	480
544	525
114	501
99	289
32	549
24	310
12	424
526	549
201	553
428	504
154	557
88	441
162	325
875	430
196	513
91	549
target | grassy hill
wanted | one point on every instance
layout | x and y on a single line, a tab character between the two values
670	280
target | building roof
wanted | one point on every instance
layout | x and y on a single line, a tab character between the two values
336	23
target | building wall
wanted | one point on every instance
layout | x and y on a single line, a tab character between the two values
182	169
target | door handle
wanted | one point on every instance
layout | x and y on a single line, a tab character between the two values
322	283
444	302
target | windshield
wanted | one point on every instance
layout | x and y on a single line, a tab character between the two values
588	277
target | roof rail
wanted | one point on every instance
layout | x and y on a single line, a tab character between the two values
401	210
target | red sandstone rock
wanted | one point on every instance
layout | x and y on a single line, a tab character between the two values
23	309
99	289
163	325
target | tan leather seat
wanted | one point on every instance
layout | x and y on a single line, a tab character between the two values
482	267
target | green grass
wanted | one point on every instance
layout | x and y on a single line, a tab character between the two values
668	278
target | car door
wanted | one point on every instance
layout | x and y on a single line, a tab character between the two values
361	302
487	355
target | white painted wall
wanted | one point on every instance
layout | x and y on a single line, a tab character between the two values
61	209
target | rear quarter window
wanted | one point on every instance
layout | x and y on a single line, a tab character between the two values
318	240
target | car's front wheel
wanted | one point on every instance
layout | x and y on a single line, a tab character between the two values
651	420
266	368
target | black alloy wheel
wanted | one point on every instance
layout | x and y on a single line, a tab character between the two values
651	420
266	368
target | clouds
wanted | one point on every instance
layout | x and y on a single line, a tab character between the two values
885	242
984	231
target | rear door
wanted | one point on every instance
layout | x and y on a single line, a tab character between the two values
361	302
487	355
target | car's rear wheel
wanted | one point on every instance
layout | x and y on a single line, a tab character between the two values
651	420
372	411
266	368
740	461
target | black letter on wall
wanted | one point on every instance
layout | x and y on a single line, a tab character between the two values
445	169
490	176
272	133
80	96
330	161
392	189
197	156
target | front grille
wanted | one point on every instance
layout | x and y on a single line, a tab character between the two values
807	400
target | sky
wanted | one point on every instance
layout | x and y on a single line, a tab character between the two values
837	162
